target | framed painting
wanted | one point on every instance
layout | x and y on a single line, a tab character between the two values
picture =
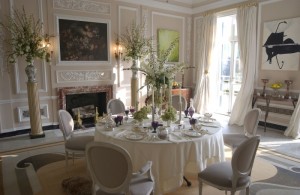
83	40
165	38
281	45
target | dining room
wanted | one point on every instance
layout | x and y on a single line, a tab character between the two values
177	67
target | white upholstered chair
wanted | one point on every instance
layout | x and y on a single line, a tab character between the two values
250	127
115	106
176	102
235	175
73	143
110	168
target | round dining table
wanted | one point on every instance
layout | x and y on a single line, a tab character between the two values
184	150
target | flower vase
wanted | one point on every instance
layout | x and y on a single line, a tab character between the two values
31	72
168	123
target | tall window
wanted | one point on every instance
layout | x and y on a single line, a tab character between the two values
230	74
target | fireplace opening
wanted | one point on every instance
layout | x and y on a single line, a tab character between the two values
86	104
85	99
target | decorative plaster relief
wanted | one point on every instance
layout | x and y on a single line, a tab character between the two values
80	5
79	76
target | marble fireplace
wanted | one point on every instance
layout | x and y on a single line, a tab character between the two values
85	99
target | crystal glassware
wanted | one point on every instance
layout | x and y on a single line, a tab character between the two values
154	124
132	110
186	112
191	109
192	123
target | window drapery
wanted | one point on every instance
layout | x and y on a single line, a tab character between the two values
293	129
246	26
205	42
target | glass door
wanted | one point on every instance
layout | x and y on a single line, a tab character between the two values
230	74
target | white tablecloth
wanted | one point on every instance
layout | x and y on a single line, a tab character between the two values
171	158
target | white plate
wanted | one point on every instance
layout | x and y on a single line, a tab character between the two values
134	136
191	133
206	120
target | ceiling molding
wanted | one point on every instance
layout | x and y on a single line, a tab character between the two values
182	9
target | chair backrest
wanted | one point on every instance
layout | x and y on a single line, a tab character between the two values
243	158
251	121
110	167
176	100
66	123
115	106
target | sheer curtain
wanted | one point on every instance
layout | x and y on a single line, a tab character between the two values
293	129
205	43
246	27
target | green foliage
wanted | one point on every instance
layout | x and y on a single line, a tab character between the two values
169	114
135	42
26	37
142	113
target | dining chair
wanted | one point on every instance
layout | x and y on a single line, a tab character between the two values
250	127
111	170
115	106
73	143
176	102
232	175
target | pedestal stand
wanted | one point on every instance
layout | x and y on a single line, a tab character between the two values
34	110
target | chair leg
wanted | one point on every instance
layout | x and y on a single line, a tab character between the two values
67	156
187	181
232	192
200	186
247	190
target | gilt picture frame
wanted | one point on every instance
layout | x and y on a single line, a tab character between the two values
280	47
83	40
164	38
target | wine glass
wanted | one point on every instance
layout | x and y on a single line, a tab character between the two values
120	119
154	124
116	120
132	110
193	123
191	112
186	112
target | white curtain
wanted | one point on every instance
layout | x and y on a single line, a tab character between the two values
293	129
205	44
246	27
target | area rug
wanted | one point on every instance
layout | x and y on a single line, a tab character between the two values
265	176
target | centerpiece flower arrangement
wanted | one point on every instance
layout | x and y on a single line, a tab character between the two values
169	114
141	114
26	38
158	74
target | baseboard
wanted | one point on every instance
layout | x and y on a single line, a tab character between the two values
273	126
26	131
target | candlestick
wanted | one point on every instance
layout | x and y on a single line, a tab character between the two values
152	97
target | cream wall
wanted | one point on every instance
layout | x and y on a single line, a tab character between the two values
13	96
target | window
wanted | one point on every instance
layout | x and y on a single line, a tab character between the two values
229	73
